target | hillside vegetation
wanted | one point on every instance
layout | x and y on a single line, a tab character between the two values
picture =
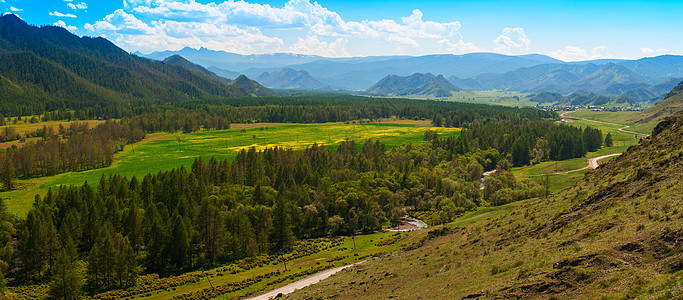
48	68
615	234
671	105
413	85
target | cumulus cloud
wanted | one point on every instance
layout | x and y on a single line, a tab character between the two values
81	5
61	15
573	53
61	23
311	45
129	31
511	39
316	27
14	9
650	51
458	47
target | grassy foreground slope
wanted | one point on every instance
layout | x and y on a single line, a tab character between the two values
615	234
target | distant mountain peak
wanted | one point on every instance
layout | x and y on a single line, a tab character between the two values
251	86
290	79
416	84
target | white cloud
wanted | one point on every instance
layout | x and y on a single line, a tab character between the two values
12	8
511	39
61	15
61	23
573	53
81	5
309	25
650	51
311	45
458	47
130	32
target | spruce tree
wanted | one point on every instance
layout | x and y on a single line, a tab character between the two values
608	140
282	237
66	279
179	247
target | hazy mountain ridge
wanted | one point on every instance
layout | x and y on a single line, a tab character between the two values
250	86
473	71
416	84
671	105
181	61
290	79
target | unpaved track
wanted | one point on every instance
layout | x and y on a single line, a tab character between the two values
593	163
302	283
565	116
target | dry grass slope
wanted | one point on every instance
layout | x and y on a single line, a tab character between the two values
615	234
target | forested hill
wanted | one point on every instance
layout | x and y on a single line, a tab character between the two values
416	84
48	68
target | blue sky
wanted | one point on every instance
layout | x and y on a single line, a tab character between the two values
568	30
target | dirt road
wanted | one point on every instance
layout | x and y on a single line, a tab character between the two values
568	118
594	162
297	285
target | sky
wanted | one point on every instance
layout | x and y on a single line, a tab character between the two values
566	30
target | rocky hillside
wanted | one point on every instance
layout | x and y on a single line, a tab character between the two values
616	234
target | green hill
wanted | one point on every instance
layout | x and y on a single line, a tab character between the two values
414	85
291	79
671	105
48	68
614	235
252	87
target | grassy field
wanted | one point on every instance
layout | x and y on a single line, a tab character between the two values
504	98
165	151
560	181
619	117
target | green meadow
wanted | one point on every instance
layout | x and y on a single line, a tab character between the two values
165	151
558	178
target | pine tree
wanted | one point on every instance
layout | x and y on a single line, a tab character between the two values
66	279
608	140
179	247
282	236
8	175
125	263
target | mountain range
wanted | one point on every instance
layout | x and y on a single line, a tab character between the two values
250	86
611	80
637	79
417	84
290	79
50	68
671	105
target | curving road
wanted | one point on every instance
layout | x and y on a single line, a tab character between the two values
565	117
302	283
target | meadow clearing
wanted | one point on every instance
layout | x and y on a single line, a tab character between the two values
559	179
165	151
